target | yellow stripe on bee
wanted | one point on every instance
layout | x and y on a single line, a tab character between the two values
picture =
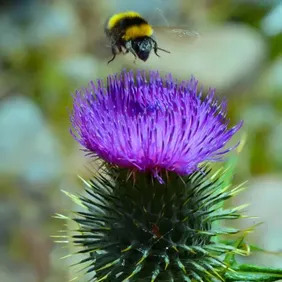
137	31
117	17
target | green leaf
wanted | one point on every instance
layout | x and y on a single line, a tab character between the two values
230	257
254	248
226	175
231	164
248	272
230	167
74	198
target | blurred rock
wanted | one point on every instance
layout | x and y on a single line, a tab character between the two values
50	22
11	275
272	23
264	195
220	57
28	148
80	68
11	39
37	25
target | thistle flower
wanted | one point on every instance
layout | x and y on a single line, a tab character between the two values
151	125
141	228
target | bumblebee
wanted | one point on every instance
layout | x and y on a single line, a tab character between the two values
130	32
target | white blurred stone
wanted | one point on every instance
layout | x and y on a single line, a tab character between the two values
11	37
19	275
51	22
80	68
27	146
272	22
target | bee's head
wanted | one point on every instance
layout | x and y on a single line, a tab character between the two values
142	47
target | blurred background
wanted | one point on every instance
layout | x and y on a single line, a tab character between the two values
48	49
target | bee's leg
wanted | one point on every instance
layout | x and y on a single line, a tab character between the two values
114	54
129	48
134	54
123	49
156	48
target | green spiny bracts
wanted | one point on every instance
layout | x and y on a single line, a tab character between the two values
136	229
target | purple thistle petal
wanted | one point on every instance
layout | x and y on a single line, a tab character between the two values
151	125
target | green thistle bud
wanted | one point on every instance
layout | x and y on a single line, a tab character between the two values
136	229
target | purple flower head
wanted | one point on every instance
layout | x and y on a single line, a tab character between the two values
151	125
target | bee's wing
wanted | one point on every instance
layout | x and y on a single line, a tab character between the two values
175	34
